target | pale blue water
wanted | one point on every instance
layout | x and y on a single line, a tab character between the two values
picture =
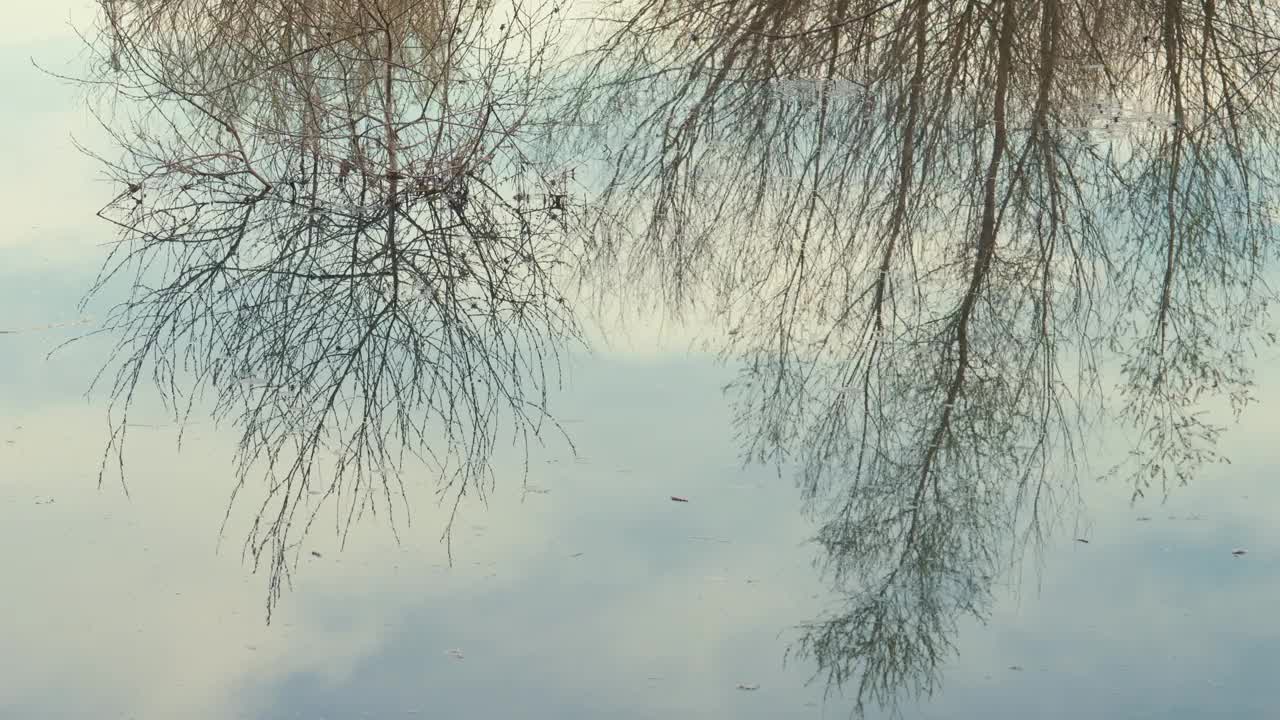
599	597
592	595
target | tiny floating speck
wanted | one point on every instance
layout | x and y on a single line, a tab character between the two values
748	686
677	498
1082	540
455	653
1239	551
314	553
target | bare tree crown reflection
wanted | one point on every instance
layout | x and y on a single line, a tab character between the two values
951	242
315	224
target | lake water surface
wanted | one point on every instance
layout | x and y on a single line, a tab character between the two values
580	590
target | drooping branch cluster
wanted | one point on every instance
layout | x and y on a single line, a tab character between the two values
946	237
950	240
317	225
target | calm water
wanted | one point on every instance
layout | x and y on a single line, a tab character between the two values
588	593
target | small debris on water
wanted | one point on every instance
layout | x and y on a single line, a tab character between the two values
1016	667
677	498
455	653
748	686
1082	540
1239	551
1143	518
315	554
577	554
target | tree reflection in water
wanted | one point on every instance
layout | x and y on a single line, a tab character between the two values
314	225
948	240
947	264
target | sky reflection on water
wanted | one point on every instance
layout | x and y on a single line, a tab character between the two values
597	598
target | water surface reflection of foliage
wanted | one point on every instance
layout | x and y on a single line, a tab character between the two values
953	244
949	241
314	225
